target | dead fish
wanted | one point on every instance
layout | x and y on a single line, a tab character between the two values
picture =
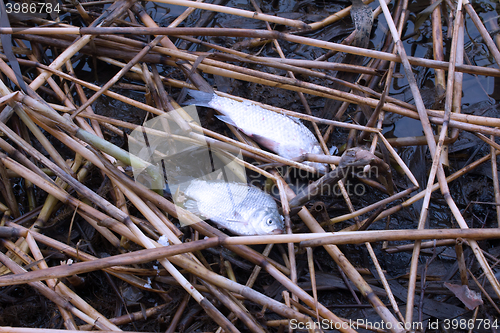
238	207
284	135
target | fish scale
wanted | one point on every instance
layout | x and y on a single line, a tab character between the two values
284	135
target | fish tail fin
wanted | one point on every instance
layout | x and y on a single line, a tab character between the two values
199	98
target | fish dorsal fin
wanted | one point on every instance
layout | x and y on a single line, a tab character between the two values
200	98
226	119
296	120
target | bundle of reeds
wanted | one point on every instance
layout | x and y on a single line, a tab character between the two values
73	216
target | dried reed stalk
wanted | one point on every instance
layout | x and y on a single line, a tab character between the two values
252	33
238	12
131	317
496	185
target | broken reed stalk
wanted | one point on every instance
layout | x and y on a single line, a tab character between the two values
131	317
256	270
423	245
438	53
178	20
457	95
399	160
8	97
341	14
371	207
312	274
437	46
177	316
288	228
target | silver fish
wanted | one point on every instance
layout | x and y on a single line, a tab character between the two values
284	135
238	207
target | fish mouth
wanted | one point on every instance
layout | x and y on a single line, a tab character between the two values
277	232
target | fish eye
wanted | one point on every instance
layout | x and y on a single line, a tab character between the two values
269	222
